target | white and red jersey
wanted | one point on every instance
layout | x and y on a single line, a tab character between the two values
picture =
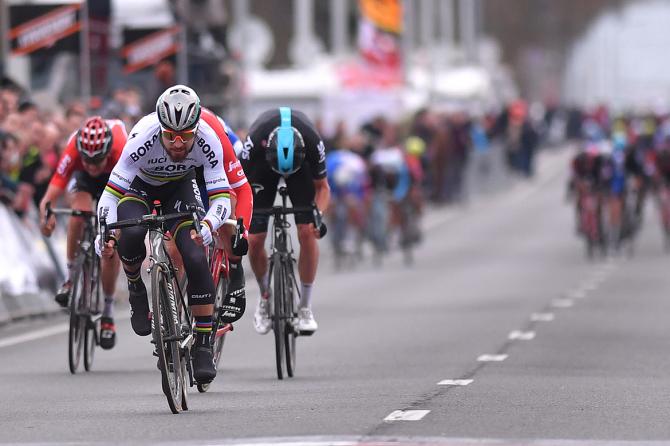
145	158
236	176
70	161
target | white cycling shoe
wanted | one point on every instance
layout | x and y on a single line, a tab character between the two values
262	322
306	323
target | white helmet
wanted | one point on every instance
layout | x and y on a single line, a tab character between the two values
178	108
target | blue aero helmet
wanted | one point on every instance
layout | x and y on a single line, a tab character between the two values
286	147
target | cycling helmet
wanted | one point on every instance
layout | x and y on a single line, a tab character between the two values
94	140
286	147
178	108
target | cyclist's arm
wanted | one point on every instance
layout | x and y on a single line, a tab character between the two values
118	184
321	194
218	188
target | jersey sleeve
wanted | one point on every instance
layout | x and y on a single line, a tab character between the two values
122	175
67	164
315	149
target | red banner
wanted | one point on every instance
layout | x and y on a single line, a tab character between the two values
44	30
150	49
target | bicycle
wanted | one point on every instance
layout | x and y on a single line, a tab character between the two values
284	306
171	324
219	267
591	221
84	299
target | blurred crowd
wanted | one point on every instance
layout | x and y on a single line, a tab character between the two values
442	143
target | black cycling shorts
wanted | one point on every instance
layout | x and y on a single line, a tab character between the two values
83	182
264	181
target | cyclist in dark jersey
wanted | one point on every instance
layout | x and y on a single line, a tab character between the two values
284	143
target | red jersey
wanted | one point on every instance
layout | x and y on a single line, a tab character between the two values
233	168
70	161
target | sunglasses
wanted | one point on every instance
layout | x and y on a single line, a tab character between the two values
184	135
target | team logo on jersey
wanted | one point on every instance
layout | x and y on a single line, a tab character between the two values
246	149
144	148
209	152
233	165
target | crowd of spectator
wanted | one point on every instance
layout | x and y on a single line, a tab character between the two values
32	138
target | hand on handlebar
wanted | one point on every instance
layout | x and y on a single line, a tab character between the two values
204	238
47	220
105	250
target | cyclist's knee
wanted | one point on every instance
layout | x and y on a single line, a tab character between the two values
306	233
81	201
256	243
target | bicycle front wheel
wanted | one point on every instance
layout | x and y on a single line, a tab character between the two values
77	328
167	335
290	332
278	315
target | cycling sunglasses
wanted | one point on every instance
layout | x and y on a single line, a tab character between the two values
185	135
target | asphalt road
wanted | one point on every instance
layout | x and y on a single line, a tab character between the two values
588	363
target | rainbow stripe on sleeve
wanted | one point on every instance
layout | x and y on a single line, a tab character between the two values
218	193
115	189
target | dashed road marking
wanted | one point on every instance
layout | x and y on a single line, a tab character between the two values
562	303
455	382
406	415
542	317
492	358
521	335
577	294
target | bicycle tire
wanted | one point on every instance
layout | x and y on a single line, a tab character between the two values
289	330
217	342
277	314
77	324
164	329
92	326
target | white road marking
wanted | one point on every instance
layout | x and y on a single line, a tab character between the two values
455	382
521	335
577	294
406	415
562	303
492	358
33	335
43	333
542	317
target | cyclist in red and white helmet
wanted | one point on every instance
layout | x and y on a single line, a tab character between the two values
82	172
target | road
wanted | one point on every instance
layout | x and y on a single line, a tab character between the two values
587	363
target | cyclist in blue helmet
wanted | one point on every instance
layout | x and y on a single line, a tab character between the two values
284	143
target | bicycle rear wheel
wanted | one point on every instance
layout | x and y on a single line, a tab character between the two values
90	341
92	324
77	328
166	335
217	339
278	319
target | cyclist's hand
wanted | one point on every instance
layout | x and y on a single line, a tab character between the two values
104	250
47	226
320	231
205	236
242	246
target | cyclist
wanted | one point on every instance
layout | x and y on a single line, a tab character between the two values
83	171
158	163
284	143
349	185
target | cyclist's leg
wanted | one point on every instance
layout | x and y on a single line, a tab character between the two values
132	252
264	184
301	191
200	282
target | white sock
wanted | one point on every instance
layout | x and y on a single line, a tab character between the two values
109	307
264	282
306	295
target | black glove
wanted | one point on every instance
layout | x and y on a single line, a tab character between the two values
240	246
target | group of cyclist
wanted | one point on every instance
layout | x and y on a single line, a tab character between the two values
374	177
184	155
618	164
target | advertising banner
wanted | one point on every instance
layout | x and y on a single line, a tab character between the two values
146	47
53	27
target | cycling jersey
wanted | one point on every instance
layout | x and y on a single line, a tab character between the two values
347	174
236	176
390	168
299	184
144	157
70	162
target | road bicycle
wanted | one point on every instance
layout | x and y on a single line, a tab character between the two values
84	299
171	322
286	294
